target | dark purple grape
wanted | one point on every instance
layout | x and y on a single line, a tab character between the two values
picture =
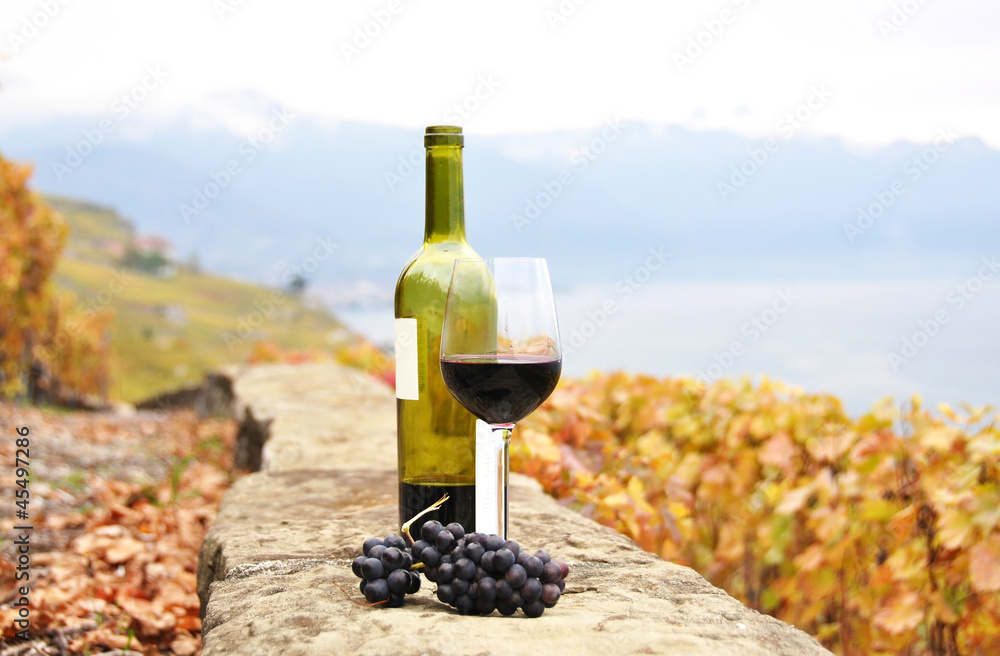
418	548
395	601
563	567
369	543
431	573
464	569
503	560
377	591
473	589
395	541
430	556
516	576
407	560
456	529
550	594
487	589
414	584
392	559
543	556
460	586
445	558
446	572
444	540
445	594
516	599
464	604
362	585
561	584
356	566
533	608
480	573
474	552
533	566
430	530
531	590
485	606
504	589
457	553
551	572
376	551
505	607
372	569
522	558
475	538
399	581
493	542
513	546
486	562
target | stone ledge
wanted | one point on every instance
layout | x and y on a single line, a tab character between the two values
274	574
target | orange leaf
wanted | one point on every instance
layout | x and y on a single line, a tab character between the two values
984	565
901	613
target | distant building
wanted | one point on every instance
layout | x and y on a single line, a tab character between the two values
151	244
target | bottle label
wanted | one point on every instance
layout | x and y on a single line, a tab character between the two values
489	450
407	360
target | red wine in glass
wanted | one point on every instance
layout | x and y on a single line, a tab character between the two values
501	389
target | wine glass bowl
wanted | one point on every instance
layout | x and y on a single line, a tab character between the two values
500	353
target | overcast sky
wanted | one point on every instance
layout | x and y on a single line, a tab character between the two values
887	69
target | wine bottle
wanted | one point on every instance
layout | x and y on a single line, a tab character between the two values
436	436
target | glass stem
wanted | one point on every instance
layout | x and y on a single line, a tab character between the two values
501	442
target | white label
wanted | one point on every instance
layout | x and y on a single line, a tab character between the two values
488	445
407	360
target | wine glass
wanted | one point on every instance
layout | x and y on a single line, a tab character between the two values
500	357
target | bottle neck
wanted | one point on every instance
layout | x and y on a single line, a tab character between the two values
445	218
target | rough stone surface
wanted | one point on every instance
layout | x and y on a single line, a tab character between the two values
275	578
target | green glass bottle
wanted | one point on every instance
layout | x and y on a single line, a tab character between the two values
436	436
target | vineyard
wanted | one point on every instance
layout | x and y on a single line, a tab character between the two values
879	535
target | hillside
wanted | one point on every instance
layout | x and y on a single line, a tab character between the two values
172	322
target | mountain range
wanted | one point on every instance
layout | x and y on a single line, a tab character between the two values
258	202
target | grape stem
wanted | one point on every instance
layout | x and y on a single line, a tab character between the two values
434	506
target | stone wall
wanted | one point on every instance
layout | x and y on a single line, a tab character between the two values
274	575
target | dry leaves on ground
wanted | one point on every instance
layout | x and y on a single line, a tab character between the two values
119	507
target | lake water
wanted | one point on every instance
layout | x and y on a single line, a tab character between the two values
859	340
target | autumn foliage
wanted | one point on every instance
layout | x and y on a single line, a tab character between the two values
119	507
879	535
48	347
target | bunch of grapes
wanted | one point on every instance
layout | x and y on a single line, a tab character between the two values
479	573
385	572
